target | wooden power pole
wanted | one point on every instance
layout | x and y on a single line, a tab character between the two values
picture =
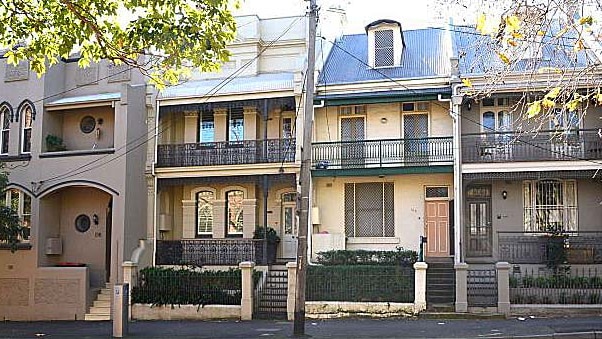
305	175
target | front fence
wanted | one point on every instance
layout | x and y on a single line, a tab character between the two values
482	287
569	286
201	252
159	286
540	248
360	284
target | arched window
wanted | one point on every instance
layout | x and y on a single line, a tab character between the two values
5	131
26	122
204	213
234	212
289	208
20	202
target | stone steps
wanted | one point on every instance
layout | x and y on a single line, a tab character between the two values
101	307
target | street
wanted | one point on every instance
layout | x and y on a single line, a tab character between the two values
566	327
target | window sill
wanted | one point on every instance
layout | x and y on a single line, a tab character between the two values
373	240
77	153
20	246
11	158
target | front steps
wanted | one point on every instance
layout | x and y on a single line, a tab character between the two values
101	308
440	284
272	296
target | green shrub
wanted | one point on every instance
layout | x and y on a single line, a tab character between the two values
360	283
168	286
399	257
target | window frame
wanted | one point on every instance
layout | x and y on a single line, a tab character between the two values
20	209
230	233
198	232
26	128
568	209
5	117
385	48
386	213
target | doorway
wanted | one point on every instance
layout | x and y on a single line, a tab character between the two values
415	133
479	232
352	142
437	228
108	236
289	225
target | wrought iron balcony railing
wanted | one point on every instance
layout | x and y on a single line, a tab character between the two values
226	153
537	248
382	153
585	144
203	252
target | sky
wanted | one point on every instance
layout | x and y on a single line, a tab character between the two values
410	13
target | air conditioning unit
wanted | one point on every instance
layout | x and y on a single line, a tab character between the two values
54	246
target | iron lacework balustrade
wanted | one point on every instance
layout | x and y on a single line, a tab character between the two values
203	252
226	153
382	153
584	144
536	247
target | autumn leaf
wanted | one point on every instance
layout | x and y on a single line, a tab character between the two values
513	22
481	23
553	94
467	83
586	20
599	98
534	108
541	33
503	57
579	45
512	43
547	103
572	105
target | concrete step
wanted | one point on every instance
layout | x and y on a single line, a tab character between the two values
97	317
100	310
104	297
101	303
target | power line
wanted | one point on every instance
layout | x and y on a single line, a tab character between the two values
210	94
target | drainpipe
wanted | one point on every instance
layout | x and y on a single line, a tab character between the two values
155	181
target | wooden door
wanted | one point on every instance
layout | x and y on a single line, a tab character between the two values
289	225
437	228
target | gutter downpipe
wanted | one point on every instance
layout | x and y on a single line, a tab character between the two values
455	104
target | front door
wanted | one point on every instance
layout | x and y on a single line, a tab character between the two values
289	225
478	230
352	142
415	133
437	228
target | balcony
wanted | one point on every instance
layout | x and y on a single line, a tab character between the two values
226	153
383	153
541	146
203	252
536	248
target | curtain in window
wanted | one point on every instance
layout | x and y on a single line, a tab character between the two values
550	206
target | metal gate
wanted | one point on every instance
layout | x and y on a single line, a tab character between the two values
482	287
271	295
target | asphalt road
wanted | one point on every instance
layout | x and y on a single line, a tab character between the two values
568	327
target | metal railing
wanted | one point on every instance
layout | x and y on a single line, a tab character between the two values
571	286
202	252
360	283
226	153
583	144
538	248
382	153
482	287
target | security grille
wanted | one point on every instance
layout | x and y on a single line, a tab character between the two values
383	48
369	210
550	205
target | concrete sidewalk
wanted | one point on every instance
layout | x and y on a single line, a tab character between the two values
589	327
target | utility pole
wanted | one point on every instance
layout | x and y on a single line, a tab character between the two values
305	175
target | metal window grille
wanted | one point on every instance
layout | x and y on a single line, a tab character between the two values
383	48
550	205
369	210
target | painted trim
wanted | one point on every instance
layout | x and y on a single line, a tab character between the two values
20	187
70	183
534	166
10	110
383	171
76	153
12	158
20	108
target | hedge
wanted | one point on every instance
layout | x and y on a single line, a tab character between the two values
398	257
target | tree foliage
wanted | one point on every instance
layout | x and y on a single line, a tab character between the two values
550	47
159	37
11	229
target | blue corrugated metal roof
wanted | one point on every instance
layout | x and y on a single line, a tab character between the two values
426	55
477	56
238	85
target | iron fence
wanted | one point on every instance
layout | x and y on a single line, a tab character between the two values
202	252
226	153
540	248
160	286
382	153
360	283
482	287
582	144
568	286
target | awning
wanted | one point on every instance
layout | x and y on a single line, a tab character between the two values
531	175
375	97
85	99
204	89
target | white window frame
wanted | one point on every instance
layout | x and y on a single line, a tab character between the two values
4	117
24	127
197	200
530	207
20	207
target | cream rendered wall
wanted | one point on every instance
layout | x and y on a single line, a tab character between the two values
408	201
75	139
